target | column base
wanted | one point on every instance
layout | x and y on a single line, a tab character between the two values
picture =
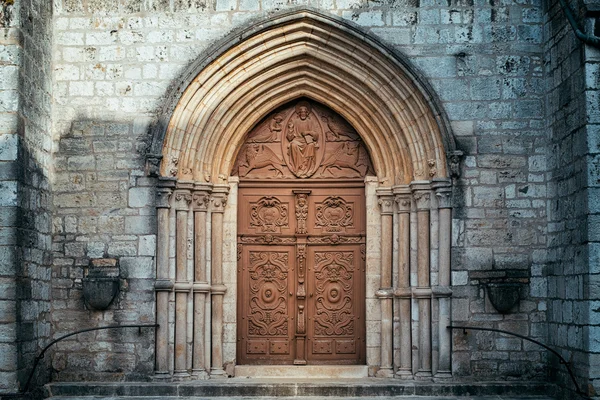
424	376
386	372
182	375
199	374
404	374
442	376
161	376
217	373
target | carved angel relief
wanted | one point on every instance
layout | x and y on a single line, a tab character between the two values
303	140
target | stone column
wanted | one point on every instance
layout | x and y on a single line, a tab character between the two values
443	291
385	292
163	284
403	291
422	292
218	289
183	198
201	287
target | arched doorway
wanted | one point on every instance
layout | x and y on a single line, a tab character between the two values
224	96
301	239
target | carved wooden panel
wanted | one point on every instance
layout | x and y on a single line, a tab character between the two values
334	214
303	139
264	281
301	270
337	303
269	214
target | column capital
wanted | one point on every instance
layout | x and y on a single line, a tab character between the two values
422	194
404	203
183	198
444	196
386	201
200	199
218	200
163	195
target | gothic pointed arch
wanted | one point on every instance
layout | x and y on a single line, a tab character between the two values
303	53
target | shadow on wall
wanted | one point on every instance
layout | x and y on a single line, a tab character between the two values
104	225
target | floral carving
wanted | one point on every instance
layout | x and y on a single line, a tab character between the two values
334	291
268	272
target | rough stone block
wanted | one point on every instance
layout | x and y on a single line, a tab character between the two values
147	245
9	147
141	196
140	224
138	267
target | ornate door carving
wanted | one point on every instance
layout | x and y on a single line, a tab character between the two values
301	240
301	275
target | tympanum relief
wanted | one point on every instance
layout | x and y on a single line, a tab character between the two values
303	140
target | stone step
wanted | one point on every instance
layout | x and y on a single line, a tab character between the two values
298	388
310	398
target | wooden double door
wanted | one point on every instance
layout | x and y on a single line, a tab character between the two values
301	274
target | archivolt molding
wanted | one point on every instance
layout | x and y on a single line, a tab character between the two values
307	54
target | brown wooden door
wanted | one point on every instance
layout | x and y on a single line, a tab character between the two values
301	274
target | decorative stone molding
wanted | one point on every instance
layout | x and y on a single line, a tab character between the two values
218	289
314	38
153	162
386	201
163	285
385	293
201	199
218	199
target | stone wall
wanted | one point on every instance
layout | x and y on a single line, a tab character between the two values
10	172
113	69
572	263
25	167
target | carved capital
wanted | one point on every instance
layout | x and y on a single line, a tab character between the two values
387	205
201	199
444	196
218	202
163	196
404	203
183	198
423	200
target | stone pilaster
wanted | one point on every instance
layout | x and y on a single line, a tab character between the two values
163	284
201	287
443	292
385	293
183	286
402	292
422	196
218	289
